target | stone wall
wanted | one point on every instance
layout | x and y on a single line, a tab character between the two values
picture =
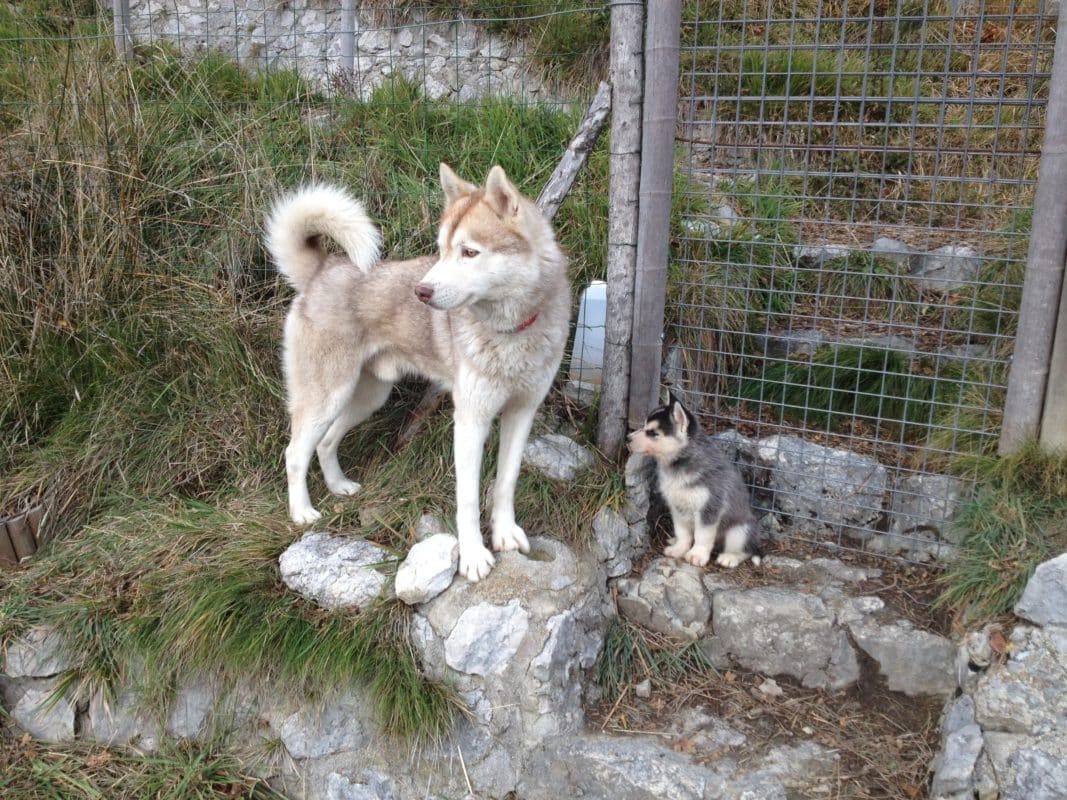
450	59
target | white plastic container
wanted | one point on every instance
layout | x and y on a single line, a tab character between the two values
587	354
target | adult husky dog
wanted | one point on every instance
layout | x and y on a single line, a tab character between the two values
487	318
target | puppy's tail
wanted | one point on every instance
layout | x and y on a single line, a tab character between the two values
297	222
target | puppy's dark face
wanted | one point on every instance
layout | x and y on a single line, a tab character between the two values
666	432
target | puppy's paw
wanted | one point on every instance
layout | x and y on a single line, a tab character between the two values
730	560
304	516
475	562
510	537
676	550
698	556
345	488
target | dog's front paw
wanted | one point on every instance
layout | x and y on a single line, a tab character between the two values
698	556
475	562
676	550
510	537
304	516
345	488
730	560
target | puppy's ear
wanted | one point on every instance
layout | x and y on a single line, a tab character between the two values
454	186
501	194
679	416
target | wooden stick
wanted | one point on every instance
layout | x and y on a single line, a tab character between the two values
559	184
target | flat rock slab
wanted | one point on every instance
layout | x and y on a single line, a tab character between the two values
38	653
334	571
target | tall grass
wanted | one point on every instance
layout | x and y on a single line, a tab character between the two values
1016	519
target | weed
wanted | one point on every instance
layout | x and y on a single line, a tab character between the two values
1016	519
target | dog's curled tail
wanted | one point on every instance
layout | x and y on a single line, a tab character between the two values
297	222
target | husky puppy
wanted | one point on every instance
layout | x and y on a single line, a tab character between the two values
703	489
487	318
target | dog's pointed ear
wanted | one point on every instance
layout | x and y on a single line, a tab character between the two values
679	415
454	186
501	193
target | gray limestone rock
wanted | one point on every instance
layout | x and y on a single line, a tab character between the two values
485	637
120	719
913	662
428	569
334	571
1044	601
557	456
778	631
947	268
341	724
954	768
891	250
669	598
821	489
926	504
35	709
38	653
370	785
616	543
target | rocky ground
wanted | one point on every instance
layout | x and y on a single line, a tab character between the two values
809	676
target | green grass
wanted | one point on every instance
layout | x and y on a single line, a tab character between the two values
844	383
1016	519
632	654
178	771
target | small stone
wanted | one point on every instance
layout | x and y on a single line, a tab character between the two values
428	569
644	689
557	457
334	571
770	687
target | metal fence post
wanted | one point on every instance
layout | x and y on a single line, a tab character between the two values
627	71
663	36
120	14
1044	269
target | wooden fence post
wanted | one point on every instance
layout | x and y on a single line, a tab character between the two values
1043	281
627	79
659	123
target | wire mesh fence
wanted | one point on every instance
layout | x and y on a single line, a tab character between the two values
858	185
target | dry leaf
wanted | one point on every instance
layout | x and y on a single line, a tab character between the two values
998	642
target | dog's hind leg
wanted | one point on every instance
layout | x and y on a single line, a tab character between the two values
370	394
309	423
515	427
